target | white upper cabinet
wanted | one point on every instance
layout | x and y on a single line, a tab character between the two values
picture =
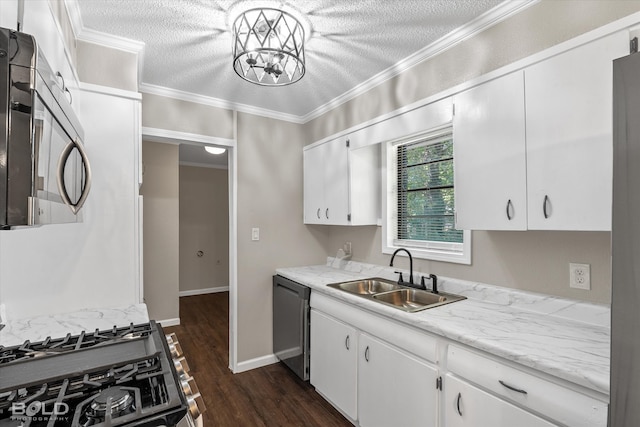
341	186
569	137
489	153
326	187
313	188
39	21
9	14
535	153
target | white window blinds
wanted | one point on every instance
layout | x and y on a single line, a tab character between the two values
425	191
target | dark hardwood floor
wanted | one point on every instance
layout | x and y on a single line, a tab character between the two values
268	396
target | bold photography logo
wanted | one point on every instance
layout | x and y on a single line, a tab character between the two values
36	410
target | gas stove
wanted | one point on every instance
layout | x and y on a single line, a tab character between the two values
129	376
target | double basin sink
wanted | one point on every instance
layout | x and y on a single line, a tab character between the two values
395	295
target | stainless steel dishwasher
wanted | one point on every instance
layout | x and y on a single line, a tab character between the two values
291	324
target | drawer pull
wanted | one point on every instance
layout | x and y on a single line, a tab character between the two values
517	390
366	354
458	403
346	342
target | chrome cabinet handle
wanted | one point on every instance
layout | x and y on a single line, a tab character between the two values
544	206
458	403
62	161
509	208
70	97
326	213
366	354
346	342
59	75
517	390
318	213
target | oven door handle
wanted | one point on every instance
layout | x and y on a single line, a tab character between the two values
62	161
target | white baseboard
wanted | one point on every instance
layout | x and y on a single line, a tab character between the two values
258	362
170	322
203	291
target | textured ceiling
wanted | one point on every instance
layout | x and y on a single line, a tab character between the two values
188	43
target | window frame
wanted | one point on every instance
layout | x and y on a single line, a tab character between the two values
459	253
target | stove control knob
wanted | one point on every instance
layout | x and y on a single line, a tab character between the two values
182	367
174	346
194	398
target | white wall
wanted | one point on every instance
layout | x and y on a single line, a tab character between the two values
68	267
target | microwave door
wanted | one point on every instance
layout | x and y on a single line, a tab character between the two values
40	212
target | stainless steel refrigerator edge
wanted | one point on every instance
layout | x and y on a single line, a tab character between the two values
624	408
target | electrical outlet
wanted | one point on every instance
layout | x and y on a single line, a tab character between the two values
580	276
347	248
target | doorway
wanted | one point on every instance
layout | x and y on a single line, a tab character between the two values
204	220
178	139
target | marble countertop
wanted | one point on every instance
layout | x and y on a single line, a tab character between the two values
39	328
564	338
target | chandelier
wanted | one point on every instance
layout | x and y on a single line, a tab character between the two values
268	47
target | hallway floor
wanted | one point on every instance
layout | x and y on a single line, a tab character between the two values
268	396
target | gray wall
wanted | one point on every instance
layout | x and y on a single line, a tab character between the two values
536	28
95	64
204	226
270	175
160	189
534	261
269	197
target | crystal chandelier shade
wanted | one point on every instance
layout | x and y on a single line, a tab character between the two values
268	47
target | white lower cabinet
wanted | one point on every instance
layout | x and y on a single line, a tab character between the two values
503	383
394	388
334	360
468	406
369	380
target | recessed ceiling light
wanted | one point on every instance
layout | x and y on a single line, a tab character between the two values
214	150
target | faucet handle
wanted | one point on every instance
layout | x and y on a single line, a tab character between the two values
400	279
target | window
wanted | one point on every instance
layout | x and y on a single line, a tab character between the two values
420	199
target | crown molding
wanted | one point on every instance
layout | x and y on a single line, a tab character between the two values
482	22
217	102
75	17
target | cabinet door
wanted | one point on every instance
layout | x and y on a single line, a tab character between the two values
394	388
569	137
9	14
489	156
336	182
39	21
334	360
313	187
468	406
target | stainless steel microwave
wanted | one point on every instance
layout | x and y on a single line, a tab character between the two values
45	174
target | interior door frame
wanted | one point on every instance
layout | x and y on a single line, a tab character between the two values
174	137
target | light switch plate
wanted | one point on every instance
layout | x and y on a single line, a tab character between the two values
255	234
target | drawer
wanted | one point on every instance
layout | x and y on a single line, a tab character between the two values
554	401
